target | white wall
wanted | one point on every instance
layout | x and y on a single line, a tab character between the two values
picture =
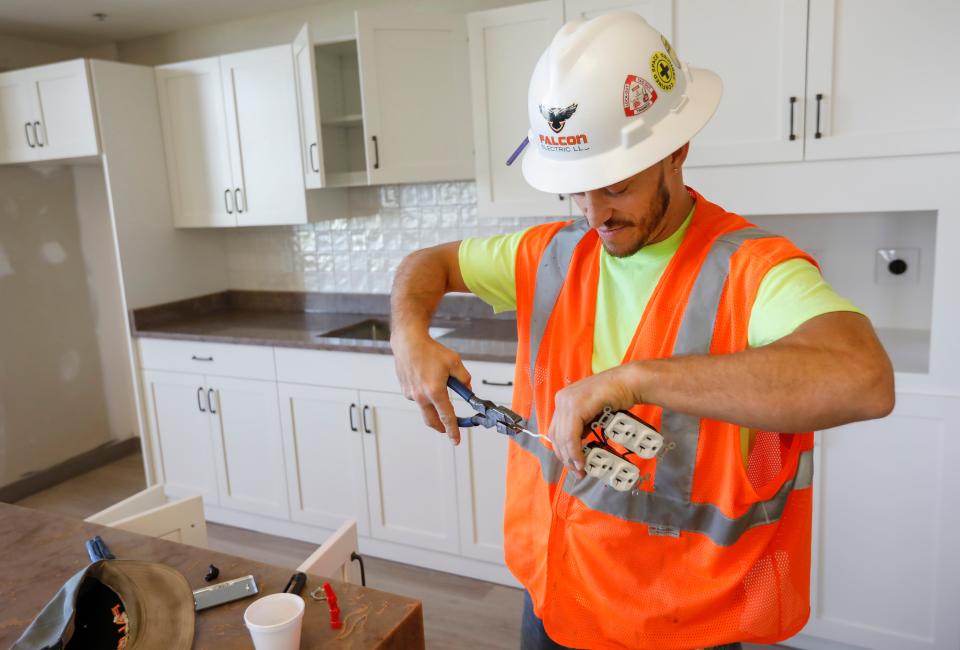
328	21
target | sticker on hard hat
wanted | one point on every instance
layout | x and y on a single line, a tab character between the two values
662	69
557	116
670	51
638	95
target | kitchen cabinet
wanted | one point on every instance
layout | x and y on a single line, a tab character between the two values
232	139
249	445
383	107
180	419
46	113
323	443
482	468
882	92
306	78
410	475
758	47
218	436
884	572
505	45
416	97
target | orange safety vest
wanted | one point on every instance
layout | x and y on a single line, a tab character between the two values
702	551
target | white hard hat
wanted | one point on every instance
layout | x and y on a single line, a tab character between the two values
609	98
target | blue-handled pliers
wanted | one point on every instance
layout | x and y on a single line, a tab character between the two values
489	415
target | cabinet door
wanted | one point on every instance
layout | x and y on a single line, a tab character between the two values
180	420
659	13
887	75
885	572
18	102
323	444
410	475
66	126
505	45
481	488
416	98
195	143
311	149
264	132
758	47
249	446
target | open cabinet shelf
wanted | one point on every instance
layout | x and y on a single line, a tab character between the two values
341	114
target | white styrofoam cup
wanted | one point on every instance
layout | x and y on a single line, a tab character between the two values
274	622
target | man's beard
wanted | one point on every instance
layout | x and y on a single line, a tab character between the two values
657	211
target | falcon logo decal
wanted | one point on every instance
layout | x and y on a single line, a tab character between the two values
556	117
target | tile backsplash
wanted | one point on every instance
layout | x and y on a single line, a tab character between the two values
359	252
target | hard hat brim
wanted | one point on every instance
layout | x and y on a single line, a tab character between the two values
704	90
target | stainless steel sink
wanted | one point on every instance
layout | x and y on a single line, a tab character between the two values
374	329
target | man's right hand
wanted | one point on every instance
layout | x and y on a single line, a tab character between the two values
423	367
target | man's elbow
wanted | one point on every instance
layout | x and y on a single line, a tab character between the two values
877	392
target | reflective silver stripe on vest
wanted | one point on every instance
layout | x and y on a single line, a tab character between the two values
551	272
669	506
657	510
674	477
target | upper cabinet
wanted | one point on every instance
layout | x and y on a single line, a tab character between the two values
383	108
505	45
803	80
231	131
416	97
758	47
882	78
46	113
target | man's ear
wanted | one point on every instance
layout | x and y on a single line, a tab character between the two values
678	157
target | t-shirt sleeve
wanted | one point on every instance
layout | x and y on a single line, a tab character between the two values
790	294
488	266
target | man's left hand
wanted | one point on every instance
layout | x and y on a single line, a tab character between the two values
577	405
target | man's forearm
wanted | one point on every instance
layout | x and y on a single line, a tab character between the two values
788	387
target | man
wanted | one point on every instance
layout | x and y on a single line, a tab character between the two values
721	336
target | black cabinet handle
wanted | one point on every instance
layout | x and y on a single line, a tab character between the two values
237	195
496	383
376	153
196	358
314	167
793	102
353	426
366	427
200	400
561	197
210	401
226	200
819	99
26	129
36	135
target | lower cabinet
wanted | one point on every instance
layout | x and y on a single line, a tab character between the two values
411	483
323	444
219	437
183	433
885	574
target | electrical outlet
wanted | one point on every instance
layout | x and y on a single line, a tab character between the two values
625	429
600	462
898	266
625	476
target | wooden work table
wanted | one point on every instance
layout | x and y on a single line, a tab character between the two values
39	551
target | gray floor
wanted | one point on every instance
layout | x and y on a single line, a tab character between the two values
458	612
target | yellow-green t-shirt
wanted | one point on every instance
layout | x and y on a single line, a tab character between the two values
790	294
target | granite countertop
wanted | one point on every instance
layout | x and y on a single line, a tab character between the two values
293	319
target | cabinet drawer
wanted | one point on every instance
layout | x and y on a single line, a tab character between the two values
224	359
489	380
358	370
